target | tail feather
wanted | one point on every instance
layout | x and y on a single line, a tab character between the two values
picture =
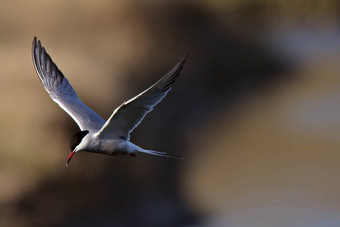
155	152
158	153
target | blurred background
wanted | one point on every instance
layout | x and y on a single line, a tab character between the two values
255	113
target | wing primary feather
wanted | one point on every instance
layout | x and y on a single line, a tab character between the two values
36	47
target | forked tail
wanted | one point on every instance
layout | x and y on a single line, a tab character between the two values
158	153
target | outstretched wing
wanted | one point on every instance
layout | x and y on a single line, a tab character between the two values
129	114
61	91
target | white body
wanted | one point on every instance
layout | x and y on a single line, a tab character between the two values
95	143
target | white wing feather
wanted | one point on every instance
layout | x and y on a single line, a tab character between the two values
61	91
129	114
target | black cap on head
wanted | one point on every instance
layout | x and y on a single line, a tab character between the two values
77	138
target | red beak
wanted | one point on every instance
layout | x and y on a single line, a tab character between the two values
69	157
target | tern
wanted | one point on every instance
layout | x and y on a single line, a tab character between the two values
113	136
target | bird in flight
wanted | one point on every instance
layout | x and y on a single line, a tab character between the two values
113	136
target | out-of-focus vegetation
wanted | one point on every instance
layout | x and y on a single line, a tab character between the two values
255	113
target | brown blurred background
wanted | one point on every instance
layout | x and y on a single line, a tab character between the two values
255	113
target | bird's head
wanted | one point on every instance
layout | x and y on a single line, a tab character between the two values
77	144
